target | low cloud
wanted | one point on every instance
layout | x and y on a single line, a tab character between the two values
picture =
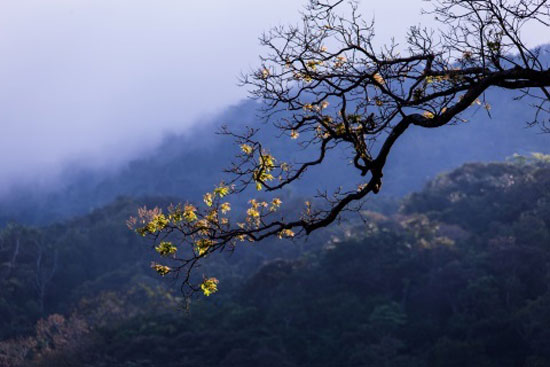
99	81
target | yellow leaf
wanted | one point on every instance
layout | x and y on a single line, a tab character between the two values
166	248
379	79
189	213
253	212
221	191
275	204
202	245
288	233
225	207
209	286
428	115
247	149
208	199
161	269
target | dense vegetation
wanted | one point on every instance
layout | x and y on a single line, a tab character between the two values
457	277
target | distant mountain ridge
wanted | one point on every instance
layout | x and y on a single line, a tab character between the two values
188	165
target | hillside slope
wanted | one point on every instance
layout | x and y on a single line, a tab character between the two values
459	277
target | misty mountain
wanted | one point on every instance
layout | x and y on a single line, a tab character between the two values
187	165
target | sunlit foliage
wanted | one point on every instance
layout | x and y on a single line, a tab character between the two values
325	85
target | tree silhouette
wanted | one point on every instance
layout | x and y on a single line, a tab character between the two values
325	85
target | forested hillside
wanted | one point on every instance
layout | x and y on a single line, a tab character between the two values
458	276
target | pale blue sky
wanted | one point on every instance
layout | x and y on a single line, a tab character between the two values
98	80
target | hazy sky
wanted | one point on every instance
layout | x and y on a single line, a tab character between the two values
98	80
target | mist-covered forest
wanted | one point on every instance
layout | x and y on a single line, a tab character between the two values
183	165
371	205
449	266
